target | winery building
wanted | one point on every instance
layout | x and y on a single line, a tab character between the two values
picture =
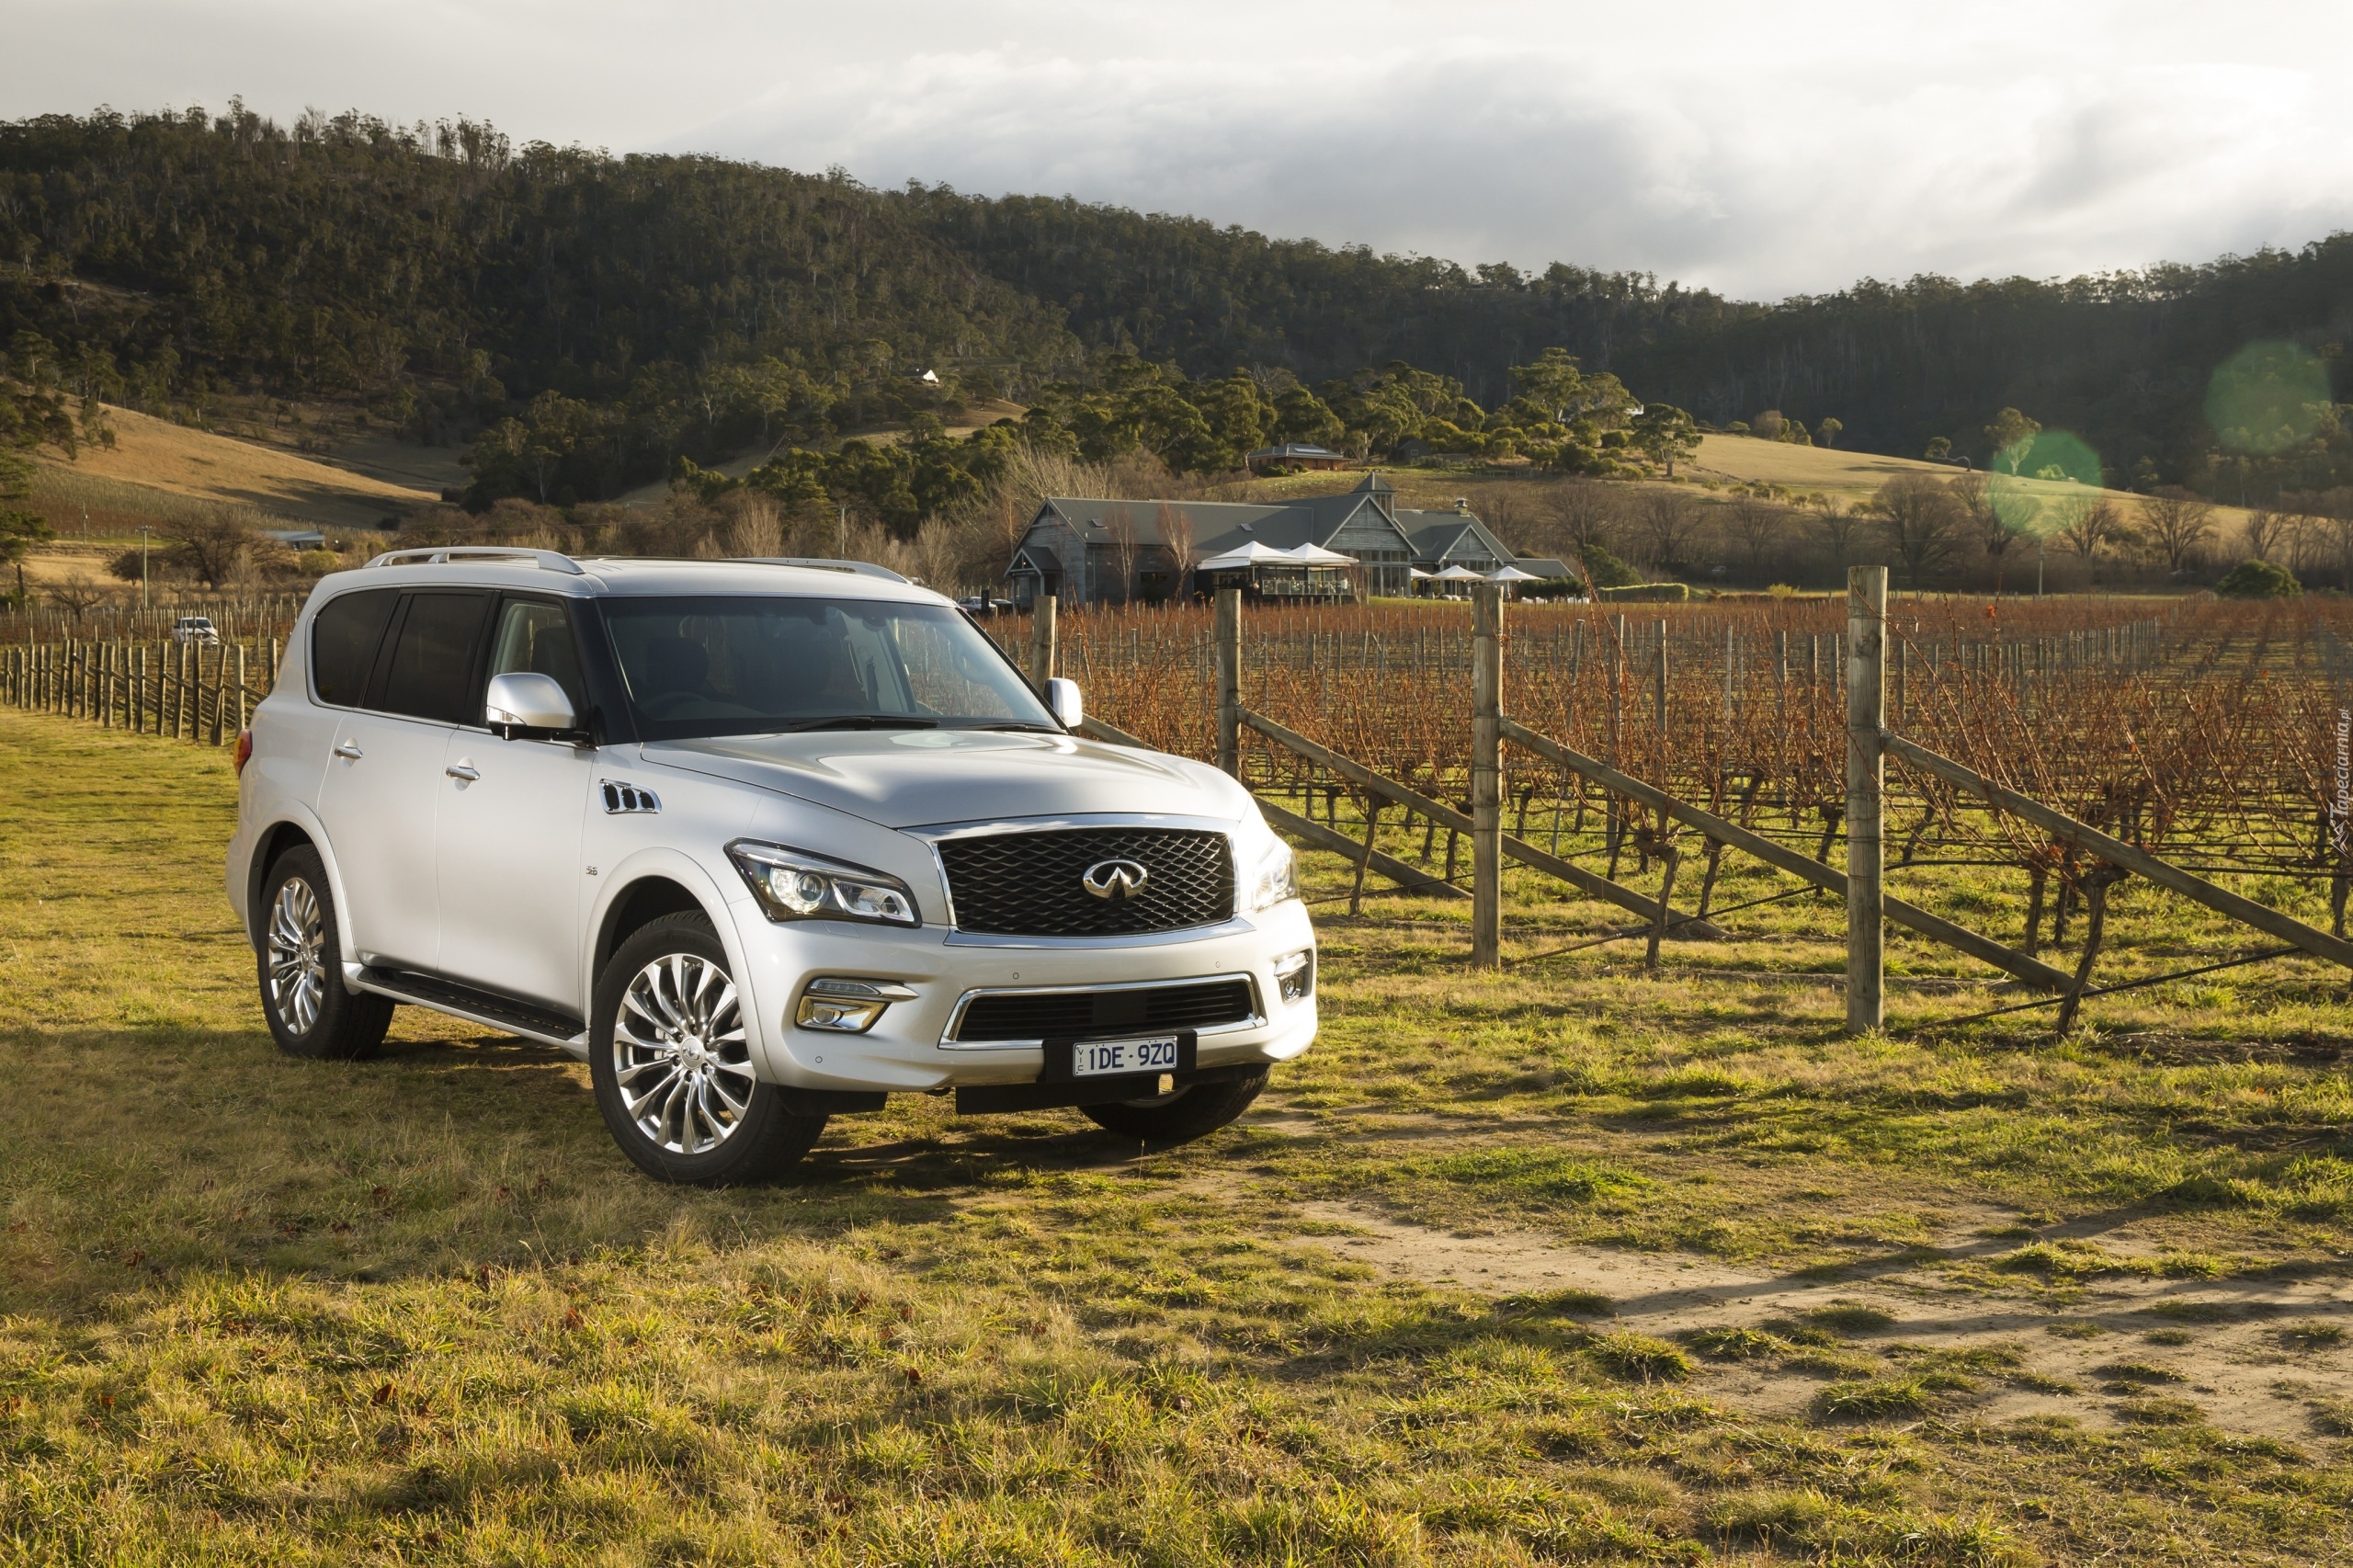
1091	551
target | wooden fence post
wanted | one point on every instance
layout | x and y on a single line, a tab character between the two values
1042	641
1866	778
1658	701
1229	682
1486	776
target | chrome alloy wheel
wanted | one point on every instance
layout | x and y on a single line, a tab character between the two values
679	1057
298	972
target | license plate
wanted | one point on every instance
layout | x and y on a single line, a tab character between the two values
1099	1058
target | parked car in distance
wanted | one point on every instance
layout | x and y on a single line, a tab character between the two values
195	628
981	604
763	842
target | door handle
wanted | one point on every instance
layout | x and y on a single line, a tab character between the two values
465	770
349	751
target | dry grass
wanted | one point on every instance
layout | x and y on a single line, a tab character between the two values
172	463
419	1310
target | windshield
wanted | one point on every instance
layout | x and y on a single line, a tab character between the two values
740	665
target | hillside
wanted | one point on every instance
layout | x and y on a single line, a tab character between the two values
158	466
1853	477
628	312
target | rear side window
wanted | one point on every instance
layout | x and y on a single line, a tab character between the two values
433	658
344	639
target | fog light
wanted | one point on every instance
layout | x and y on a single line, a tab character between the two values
847	1006
1295	975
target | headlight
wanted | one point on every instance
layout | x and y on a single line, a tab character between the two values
792	884
1271	875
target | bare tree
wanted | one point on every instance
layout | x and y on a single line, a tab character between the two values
1177	541
1576	515
2085	525
939	550
1922	522
1837	523
1981	517
78	594
1754	523
2333	529
1126	546
753	528
2268	533
209	547
1669	520
2176	525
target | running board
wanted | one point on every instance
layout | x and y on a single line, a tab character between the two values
474	1007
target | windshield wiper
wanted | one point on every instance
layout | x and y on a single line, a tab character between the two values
861	721
1017	724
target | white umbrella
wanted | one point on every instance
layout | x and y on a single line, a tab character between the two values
1417	575
1251	554
1512	574
1316	555
1460	575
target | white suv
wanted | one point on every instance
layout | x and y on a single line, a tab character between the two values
764	842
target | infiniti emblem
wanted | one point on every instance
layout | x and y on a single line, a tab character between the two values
1116	881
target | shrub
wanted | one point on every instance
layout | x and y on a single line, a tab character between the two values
2258	580
1605	569
1647	592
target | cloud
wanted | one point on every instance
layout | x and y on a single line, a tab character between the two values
1748	148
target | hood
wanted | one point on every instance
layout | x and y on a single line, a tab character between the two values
914	778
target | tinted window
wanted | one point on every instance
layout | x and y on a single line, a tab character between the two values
344	639
748	665
433	658
536	636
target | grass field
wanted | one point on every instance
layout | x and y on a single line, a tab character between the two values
1570	1264
155	464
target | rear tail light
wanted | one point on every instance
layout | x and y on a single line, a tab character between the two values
245	749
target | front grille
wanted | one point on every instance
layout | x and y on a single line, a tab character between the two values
1080	1015
1028	884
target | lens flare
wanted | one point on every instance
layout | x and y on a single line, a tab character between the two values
2034	478
2266	398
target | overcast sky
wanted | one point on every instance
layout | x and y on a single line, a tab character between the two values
1759	149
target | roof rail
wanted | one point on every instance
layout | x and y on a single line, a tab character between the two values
439	554
861	568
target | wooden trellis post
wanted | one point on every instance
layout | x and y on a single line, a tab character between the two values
1042	641
1229	681
1486	776
1865	795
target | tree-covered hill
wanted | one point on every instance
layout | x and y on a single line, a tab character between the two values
597	320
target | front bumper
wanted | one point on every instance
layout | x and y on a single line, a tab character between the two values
909	1051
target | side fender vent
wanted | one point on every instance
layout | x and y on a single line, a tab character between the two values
623	799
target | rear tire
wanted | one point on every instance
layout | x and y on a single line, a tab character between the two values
671	1066
299	959
1193	1111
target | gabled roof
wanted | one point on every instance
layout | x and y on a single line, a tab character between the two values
1438	535
1223	526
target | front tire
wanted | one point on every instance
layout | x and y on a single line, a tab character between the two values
1192	1111
672	1064
311	1012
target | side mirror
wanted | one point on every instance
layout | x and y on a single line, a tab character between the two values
525	699
1068	707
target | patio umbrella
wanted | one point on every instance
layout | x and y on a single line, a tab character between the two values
1251	554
